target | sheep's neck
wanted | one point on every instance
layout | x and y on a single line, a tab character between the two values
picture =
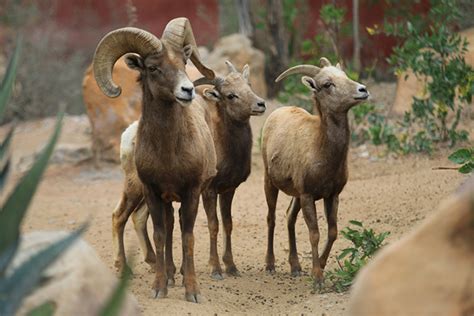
336	134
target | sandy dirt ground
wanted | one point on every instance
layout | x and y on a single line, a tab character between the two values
386	194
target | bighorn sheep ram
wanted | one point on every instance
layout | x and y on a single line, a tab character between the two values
170	130
305	156
429	271
228	105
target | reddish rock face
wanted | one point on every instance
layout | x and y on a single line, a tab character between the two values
109	117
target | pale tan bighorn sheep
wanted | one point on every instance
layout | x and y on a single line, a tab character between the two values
170	130
305	156
228	106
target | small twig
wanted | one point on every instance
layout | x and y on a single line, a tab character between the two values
445	168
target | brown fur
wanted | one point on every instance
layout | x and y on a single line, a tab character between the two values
229	123
305	156
187	155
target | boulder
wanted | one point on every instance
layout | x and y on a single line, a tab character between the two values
109	117
237	48
430	271
409	86
78	282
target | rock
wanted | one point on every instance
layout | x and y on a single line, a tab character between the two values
78	283
109	117
412	86
238	49
70	153
430	271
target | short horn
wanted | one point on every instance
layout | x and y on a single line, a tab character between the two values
230	66
308	70
178	33
114	45
324	62
217	81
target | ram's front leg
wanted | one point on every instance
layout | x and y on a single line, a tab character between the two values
189	208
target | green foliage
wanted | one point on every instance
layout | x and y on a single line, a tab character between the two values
365	243
465	158
45	309
332	15
9	78
432	49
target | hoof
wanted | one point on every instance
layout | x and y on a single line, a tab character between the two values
270	269
216	275
296	272
194	298
160	293
171	282
233	271
318	285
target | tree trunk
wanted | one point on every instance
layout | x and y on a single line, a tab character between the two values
278	50
356	35
245	21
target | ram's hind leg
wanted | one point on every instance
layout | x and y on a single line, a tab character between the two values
128	203
140	219
291	216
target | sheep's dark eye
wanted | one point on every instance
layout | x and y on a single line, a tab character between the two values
153	69
327	85
231	96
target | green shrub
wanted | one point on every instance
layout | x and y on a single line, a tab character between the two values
465	158
365	243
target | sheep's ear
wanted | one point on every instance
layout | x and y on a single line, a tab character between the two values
211	94
134	61
338	65
309	82
246	72
187	51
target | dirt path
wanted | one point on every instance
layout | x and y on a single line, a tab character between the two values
392	195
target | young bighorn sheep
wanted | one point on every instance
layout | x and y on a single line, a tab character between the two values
305	156
228	106
170	130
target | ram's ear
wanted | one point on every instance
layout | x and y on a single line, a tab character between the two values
246	72
135	62
309	82
338	65
187	51
211	94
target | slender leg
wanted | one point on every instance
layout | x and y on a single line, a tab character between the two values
292	214
209	198
189	211
225	201
330	207
122	212
271	195
158	216
140	219
309	212
170	267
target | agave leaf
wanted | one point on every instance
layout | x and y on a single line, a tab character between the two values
9	78
21	282
15	206
115	301
5	157
45	309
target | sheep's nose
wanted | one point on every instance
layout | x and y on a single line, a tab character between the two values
188	90
363	89
261	104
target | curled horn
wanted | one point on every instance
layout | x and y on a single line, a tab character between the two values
216	81
113	46
230	66
308	70
324	62
178	33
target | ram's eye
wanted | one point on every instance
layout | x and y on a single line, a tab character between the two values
231	96
327	85
153	69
